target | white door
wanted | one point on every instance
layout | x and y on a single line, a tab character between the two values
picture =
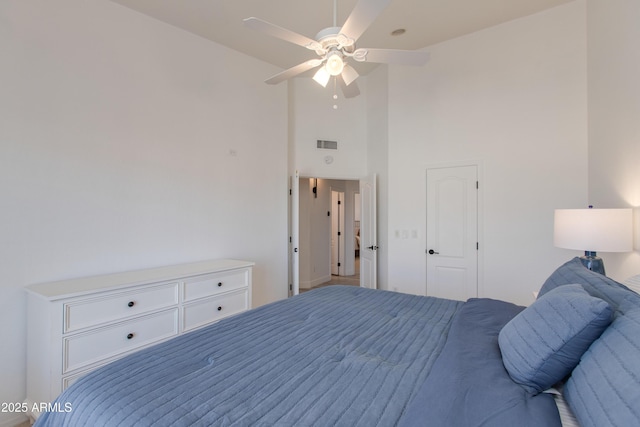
294	238
368	239
337	233
452	232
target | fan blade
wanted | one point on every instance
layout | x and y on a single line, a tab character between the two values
363	15
282	33
293	71
349	91
392	56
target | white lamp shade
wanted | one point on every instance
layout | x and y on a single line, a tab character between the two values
349	74
322	77
335	64
594	230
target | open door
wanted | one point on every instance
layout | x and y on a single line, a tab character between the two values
337	233
294	235
368	236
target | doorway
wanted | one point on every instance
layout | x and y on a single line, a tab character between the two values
328	238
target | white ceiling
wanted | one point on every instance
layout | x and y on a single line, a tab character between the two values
426	22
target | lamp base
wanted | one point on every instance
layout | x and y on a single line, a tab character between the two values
592	262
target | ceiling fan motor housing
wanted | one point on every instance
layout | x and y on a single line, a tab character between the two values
332	38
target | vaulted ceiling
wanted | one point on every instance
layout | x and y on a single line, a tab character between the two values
426	22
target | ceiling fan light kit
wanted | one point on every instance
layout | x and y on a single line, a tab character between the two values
322	76
336	45
349	74
334	64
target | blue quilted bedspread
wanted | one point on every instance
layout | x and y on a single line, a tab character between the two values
336	356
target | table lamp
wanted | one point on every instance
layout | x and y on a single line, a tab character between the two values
593	230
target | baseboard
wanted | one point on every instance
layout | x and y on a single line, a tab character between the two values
12	420
308	284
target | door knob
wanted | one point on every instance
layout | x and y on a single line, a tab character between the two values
432	252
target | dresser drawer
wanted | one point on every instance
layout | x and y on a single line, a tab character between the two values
97	311
83	349
67	381
209	310
213	284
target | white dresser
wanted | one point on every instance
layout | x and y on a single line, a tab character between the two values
75	326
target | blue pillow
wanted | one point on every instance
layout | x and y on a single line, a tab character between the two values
595	284
542	344
604	389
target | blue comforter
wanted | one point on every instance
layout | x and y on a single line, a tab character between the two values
337	356
469	386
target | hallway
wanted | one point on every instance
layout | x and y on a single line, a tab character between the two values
341	280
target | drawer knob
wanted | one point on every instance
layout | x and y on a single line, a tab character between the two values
219	284
129	336
219	308
131	304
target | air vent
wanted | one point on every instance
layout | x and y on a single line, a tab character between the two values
327	145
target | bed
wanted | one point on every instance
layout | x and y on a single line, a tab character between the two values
349	356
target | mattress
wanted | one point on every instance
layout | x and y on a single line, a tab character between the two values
336	356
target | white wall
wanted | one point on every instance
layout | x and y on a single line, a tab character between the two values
126	143
614	112
313	118
513	99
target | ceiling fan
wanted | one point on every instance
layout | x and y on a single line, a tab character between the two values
336	46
